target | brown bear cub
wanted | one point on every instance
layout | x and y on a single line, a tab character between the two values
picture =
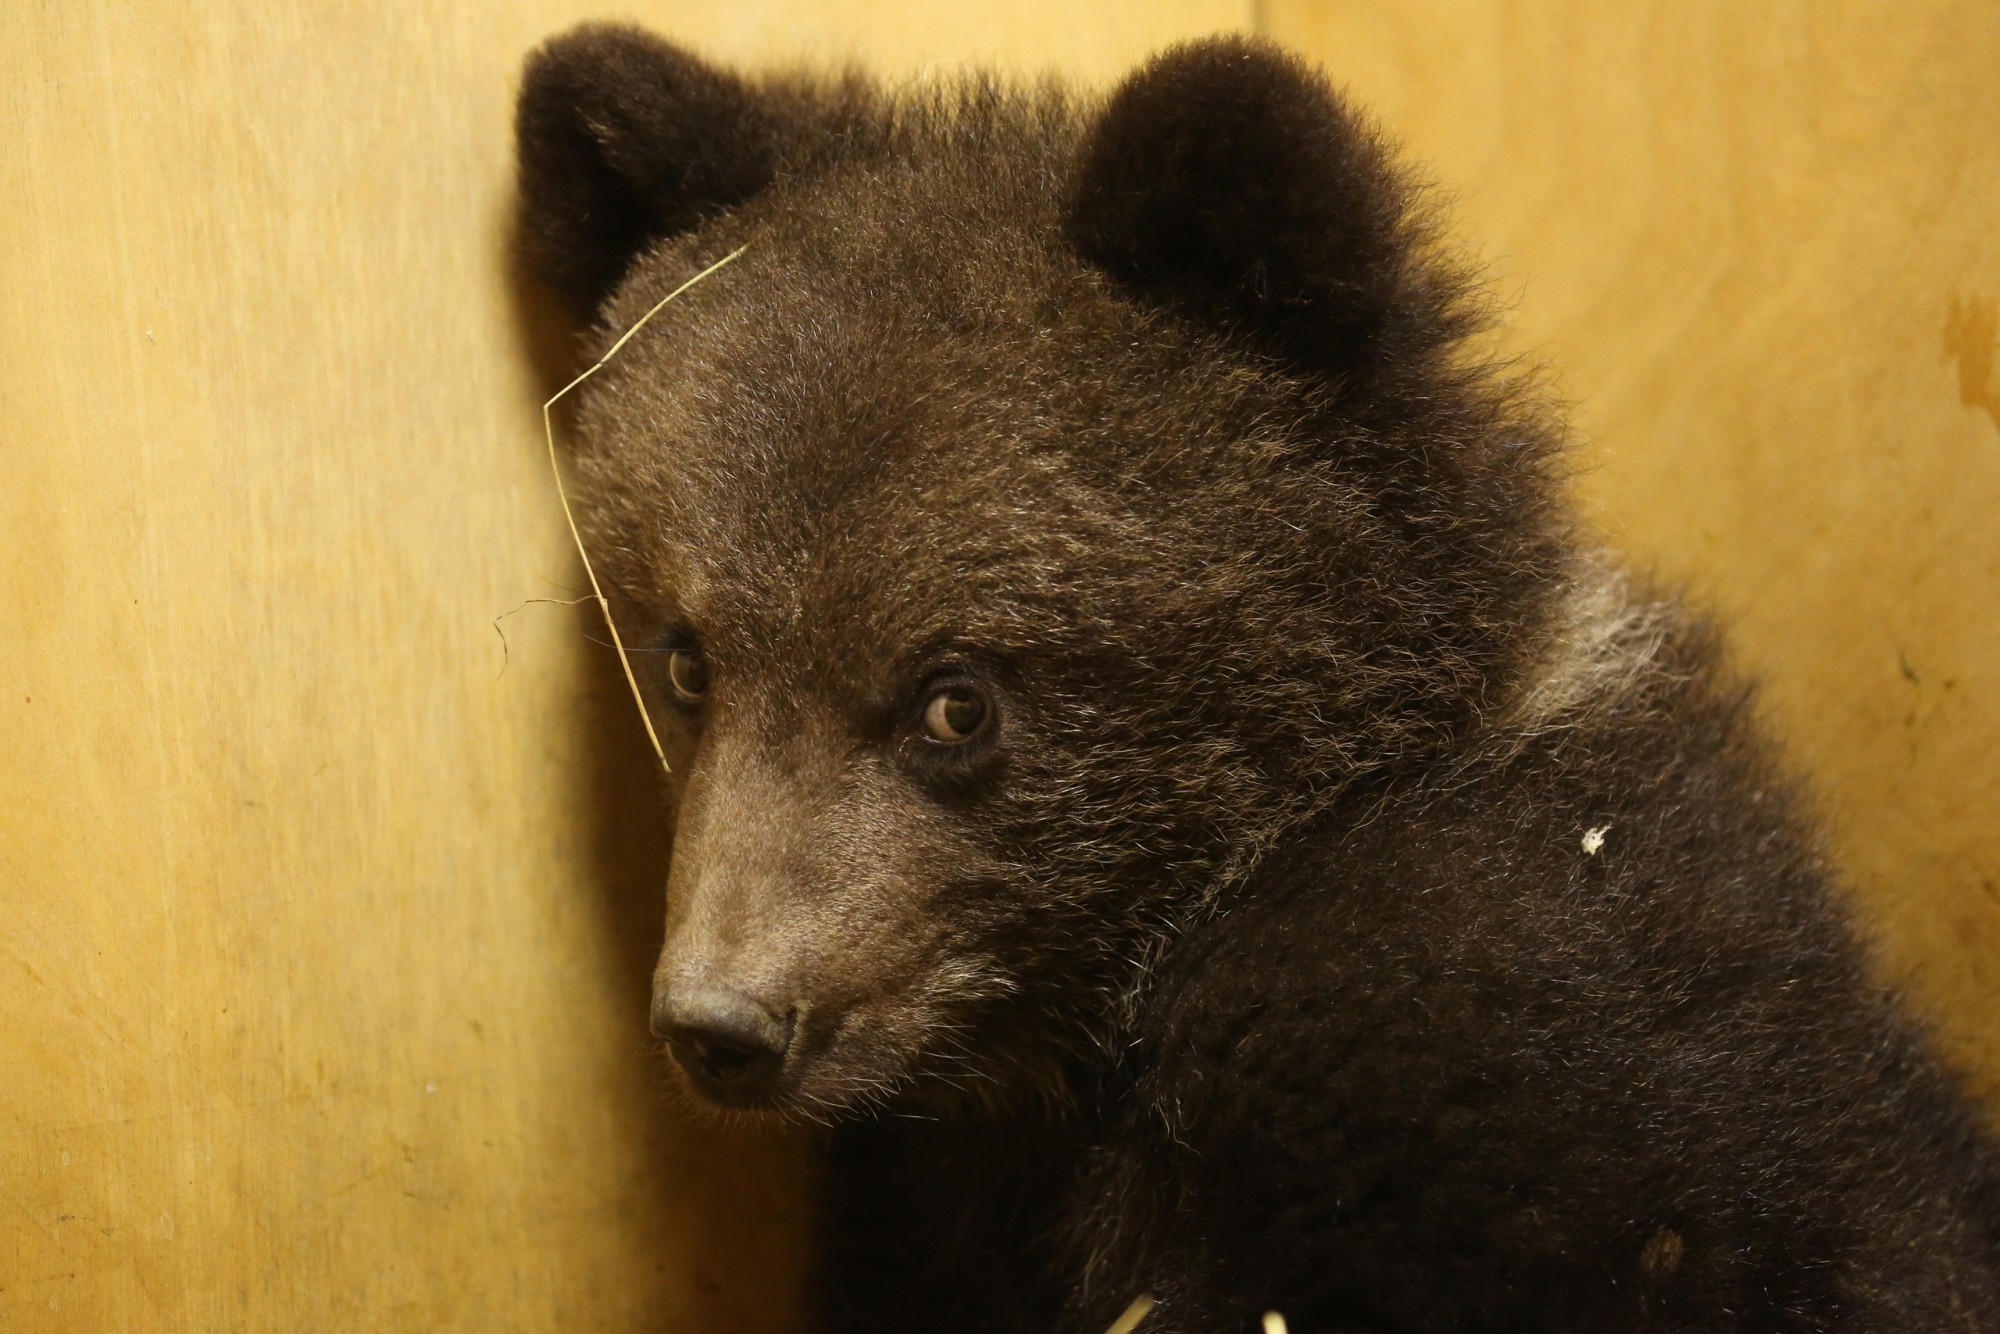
1155	767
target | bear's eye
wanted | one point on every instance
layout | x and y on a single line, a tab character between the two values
955	714
687	672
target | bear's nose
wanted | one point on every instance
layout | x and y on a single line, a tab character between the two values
731	1047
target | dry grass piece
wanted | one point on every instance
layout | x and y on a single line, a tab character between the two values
562	494
1134	1313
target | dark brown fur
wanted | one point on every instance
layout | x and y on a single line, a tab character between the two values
1256	958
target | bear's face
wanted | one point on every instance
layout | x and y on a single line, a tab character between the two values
1012	550
894	542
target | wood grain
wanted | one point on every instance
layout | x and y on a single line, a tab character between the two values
1758	245
324	926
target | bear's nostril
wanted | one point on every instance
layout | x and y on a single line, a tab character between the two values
730	1046
722	1061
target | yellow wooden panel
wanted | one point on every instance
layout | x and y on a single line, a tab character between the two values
323	940
1096	40
1759	243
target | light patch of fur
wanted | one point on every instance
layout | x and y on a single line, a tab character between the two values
1603	641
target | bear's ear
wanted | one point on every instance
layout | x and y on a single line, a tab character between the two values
1228	181
623	139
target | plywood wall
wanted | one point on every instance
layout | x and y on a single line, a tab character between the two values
324	927
1759	245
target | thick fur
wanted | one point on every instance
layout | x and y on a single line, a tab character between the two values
1366	904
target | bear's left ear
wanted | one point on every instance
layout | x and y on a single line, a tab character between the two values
623	139
1228	181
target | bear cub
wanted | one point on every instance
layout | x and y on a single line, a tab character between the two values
1155	767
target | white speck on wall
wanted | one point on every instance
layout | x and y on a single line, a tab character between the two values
1593	839
430	1088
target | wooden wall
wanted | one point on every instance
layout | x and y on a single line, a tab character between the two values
323	938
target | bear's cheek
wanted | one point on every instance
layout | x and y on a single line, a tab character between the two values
890	953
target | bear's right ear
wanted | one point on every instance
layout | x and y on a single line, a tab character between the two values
623	139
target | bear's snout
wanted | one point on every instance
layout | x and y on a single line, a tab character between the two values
732	1047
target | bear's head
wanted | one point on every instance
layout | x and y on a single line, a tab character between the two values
1061	502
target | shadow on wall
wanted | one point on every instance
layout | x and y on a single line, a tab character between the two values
737	1194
